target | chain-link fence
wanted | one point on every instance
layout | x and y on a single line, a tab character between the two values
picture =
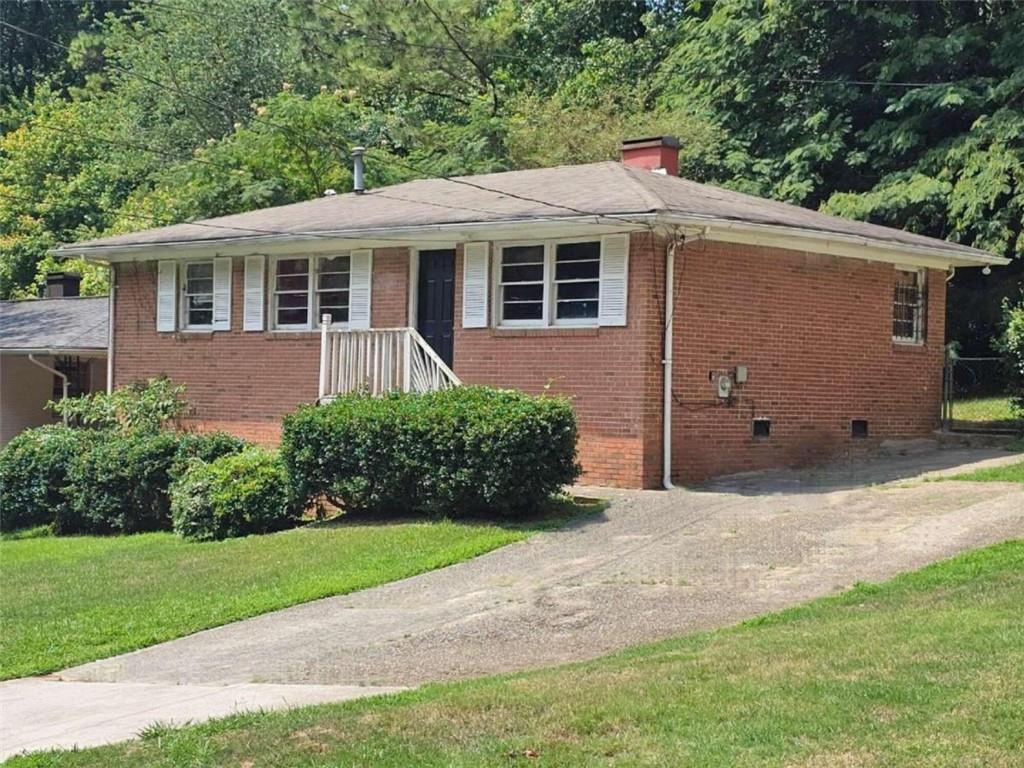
977	397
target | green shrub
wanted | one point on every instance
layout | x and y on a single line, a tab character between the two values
138	407
34	469
121	484
98	481
1011	344
205	446
236	495
468	450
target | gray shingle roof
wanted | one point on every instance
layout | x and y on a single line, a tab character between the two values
75	323
605	189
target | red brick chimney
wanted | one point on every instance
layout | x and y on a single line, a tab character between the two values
657	153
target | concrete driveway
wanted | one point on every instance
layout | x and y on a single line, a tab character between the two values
654	564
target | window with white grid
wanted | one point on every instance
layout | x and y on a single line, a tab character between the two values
577	281
908	306
521	284
291	293
333	276
197	293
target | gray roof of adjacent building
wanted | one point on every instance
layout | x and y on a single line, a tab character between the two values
70	324
604	189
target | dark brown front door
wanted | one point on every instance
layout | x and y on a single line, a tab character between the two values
436	301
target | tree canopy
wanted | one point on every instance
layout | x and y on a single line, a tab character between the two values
127	115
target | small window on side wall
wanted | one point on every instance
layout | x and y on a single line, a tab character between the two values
909	306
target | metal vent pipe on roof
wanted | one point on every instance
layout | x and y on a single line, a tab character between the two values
357	170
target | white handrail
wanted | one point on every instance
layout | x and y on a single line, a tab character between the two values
379	360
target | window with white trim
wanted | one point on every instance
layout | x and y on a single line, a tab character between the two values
333	277
909	306
291	292
522	284
577	281
549	283
197	295
307	287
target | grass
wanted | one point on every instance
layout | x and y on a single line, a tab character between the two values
984	409
1008	473
69	600
924	670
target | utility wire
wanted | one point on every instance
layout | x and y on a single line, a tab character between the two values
172	88
292	132
249	230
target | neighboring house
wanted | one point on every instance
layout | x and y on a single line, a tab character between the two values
50	348
793	335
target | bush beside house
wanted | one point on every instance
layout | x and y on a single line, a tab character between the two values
34	469
112	472
466	451
1011	344
238	494
461	451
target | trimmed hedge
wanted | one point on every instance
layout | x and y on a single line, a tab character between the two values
467	450
123	484
236	495
98	481
120	486
34	469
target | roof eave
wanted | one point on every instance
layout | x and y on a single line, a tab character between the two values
833	243
54	351
379	237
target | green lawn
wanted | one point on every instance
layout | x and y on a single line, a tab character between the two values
924	670
984	409
1008	473
70	600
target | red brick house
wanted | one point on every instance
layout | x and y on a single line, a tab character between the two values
792	335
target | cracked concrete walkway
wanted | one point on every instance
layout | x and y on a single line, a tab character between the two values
654	564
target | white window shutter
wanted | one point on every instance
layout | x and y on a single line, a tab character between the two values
475	259
252	304
614	280
222	293
359	289
166	295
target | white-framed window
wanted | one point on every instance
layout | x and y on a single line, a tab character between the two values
552	282
333	279
304	288
197	295
522	281
909	306
291	305
577	282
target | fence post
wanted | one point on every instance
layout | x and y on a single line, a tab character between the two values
325	326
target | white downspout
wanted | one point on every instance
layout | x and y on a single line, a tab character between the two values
112	282
55	372
666	362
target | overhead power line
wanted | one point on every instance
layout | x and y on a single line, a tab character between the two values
327	142
250	230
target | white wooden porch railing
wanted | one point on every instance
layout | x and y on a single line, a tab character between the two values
378	361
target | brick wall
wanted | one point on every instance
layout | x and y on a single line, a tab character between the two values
612	374
814	331
239	381
816	335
